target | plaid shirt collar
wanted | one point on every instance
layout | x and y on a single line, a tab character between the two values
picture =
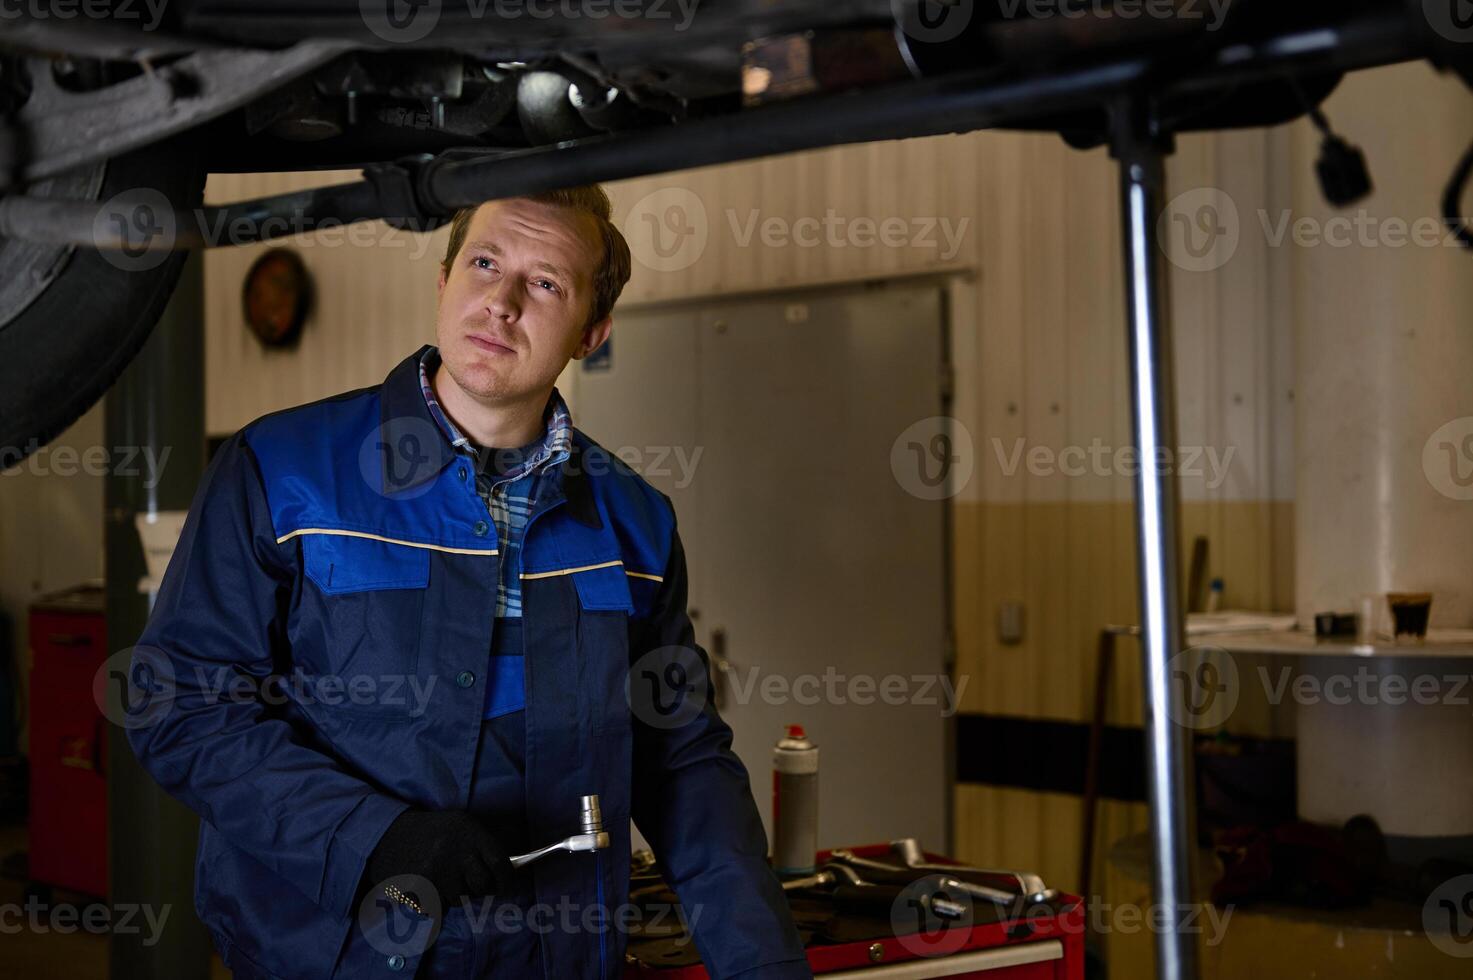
557	440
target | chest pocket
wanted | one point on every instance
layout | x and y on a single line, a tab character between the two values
341	563
604	606
365	606
604	589
588	559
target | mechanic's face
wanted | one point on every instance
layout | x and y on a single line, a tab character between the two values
514	307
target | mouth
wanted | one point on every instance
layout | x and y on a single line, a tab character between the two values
490	345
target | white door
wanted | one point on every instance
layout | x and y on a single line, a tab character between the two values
813	572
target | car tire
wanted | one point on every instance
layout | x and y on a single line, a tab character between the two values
72	318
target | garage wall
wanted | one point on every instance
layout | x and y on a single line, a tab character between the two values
1024	232
1039	349
50	531
1033	272
375	305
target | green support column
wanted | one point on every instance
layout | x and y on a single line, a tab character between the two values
158	406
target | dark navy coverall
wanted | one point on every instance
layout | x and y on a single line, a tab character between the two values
338	554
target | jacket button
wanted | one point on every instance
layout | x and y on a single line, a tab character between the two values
481	528
461	471
396	962
465	678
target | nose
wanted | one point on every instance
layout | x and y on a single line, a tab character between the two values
501	300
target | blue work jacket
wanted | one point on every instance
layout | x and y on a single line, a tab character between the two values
343	541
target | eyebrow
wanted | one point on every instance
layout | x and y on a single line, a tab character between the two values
495	249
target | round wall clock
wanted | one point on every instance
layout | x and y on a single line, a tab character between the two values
277	297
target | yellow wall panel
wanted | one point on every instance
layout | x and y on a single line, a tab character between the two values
1076	572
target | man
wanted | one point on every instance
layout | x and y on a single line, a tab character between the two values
432	591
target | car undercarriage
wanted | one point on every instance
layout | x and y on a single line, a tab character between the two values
113	111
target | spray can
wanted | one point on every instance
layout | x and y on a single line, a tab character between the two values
794	804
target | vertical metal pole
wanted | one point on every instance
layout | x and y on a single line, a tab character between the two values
156	409
1141	152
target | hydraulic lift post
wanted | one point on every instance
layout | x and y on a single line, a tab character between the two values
157	405
1141	149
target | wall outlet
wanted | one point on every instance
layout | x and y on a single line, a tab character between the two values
1010	622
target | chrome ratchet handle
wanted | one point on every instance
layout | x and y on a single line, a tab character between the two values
572	845
592	836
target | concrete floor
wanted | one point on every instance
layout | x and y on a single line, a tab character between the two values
36	955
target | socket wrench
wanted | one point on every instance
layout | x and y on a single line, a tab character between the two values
1031	889
592	836
1030	886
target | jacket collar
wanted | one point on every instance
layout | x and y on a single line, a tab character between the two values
576	489
413	448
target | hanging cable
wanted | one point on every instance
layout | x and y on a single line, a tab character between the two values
1452	200
1344	176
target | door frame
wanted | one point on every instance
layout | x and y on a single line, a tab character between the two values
957	289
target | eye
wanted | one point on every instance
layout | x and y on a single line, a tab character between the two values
479	259
547	284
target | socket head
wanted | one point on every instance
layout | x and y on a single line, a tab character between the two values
591	820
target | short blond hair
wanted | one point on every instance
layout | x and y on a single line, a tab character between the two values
591	199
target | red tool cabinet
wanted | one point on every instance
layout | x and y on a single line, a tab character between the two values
1054	950
68	743
1045	945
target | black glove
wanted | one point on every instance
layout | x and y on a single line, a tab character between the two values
452	849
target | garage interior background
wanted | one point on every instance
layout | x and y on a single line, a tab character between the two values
1038	349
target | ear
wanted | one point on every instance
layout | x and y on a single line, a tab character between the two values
594	336
440	290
